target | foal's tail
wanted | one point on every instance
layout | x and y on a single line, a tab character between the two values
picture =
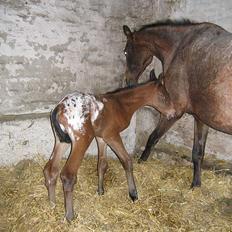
63	137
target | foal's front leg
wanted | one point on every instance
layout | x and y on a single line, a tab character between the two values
115	142
102	164
69	171
51	169
162	127
198	152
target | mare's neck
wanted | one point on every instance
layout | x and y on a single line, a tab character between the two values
163	41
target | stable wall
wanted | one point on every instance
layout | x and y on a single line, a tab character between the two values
51	48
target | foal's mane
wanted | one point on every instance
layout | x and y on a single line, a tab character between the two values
128	87
169	22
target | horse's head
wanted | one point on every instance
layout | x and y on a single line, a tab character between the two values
138	56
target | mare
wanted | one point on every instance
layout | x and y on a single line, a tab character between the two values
79	118
197	74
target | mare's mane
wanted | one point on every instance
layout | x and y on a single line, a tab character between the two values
169	22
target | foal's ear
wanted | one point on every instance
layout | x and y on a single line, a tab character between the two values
153	76
127	31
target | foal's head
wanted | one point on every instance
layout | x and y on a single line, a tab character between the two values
161	100
138	56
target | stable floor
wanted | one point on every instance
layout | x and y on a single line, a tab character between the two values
165	203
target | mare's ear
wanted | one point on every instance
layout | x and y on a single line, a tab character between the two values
153	76
127	31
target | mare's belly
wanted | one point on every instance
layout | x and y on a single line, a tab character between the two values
211	99
220	122
215	113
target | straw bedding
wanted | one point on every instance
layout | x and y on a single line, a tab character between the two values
165	203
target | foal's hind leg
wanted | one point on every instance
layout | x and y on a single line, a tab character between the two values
69	171
102	164
51	169
115	142
162	127
200	137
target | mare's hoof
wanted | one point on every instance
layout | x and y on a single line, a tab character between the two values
133	195
195	185
100	192
143	157
140	160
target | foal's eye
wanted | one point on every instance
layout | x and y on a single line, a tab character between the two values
125	53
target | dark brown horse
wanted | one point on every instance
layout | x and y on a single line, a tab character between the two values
78	118
197	71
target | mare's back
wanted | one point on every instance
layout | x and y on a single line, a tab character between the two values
207	52
209	38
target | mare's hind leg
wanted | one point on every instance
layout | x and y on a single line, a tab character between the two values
51	169
69	171
115	142
162	127
200	137
102	164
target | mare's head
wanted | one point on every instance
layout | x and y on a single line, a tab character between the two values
138	56
158	39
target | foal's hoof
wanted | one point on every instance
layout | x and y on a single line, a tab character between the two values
69	217
133	195
52	204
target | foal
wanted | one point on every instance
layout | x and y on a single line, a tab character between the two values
79	117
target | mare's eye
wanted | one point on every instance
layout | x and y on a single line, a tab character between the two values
125	53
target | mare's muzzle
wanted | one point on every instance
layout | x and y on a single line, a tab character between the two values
129	80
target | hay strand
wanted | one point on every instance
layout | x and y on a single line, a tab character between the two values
165	203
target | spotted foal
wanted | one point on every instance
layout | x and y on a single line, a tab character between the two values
79	117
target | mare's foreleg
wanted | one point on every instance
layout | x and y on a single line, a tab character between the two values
51	169
200	137
162	127
69	171
102	164
115	142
